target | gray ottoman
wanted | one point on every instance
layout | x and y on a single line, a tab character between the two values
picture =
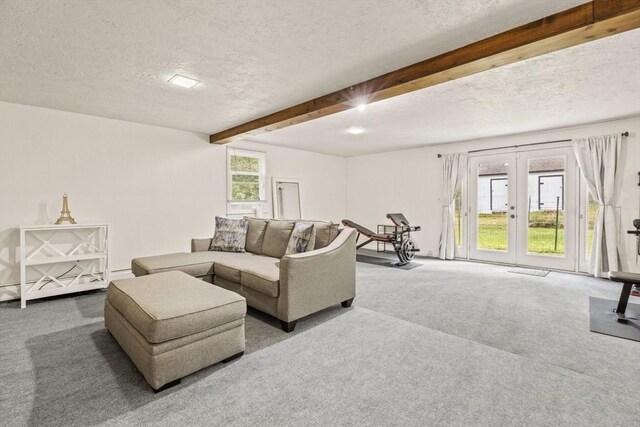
171	324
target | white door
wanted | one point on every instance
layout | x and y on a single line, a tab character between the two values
523	208
547	209
492	199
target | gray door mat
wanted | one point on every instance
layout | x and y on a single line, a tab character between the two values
529	271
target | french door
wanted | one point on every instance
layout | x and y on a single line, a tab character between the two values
522	208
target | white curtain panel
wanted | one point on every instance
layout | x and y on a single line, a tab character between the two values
599	161
452	174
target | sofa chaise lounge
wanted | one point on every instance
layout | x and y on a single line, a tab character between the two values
287	287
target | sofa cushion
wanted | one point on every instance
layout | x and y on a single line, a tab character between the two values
172	305
326	232
276	238
228	266
303	238
230	235
228	270
258	272
255	235
195	263
263	277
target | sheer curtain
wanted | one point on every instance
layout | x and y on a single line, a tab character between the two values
452	173
599	160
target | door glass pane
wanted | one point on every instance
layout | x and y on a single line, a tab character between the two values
493	197
545	211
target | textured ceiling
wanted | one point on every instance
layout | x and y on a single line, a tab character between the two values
588	83
113	58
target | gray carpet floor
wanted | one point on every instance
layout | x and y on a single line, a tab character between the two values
447	343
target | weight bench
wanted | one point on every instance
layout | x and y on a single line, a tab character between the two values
400	238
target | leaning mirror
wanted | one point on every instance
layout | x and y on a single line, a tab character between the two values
286	198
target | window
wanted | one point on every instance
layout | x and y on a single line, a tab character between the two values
246	175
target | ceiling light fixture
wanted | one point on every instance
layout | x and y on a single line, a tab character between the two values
355	130
183	81
362	107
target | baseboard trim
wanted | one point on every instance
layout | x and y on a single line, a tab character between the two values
11	291
122	274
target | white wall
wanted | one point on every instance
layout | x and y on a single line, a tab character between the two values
322	179
158	187
410	181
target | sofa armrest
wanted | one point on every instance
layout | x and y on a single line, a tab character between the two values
315	280
200	245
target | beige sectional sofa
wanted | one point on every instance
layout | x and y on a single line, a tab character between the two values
288	287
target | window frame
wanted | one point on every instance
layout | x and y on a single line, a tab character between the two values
262	174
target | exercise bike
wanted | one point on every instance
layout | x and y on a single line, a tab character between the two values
400	238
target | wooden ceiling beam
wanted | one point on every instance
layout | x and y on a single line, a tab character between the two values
581	24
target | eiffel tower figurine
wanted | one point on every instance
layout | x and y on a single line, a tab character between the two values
65	212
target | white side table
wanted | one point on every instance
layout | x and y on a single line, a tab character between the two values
61	259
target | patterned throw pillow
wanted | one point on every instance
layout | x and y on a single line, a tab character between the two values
230	235
303	238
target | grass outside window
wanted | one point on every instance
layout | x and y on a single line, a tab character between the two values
541	234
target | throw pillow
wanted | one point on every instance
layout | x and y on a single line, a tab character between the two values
326	232
333	233
303	238
276	237
230	235
255	234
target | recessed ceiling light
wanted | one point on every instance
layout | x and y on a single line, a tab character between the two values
355	130
362	107
183	81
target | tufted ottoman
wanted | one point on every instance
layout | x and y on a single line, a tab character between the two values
171	324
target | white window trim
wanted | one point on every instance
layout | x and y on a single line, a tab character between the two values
262	157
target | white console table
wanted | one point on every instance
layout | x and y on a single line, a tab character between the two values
61	259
